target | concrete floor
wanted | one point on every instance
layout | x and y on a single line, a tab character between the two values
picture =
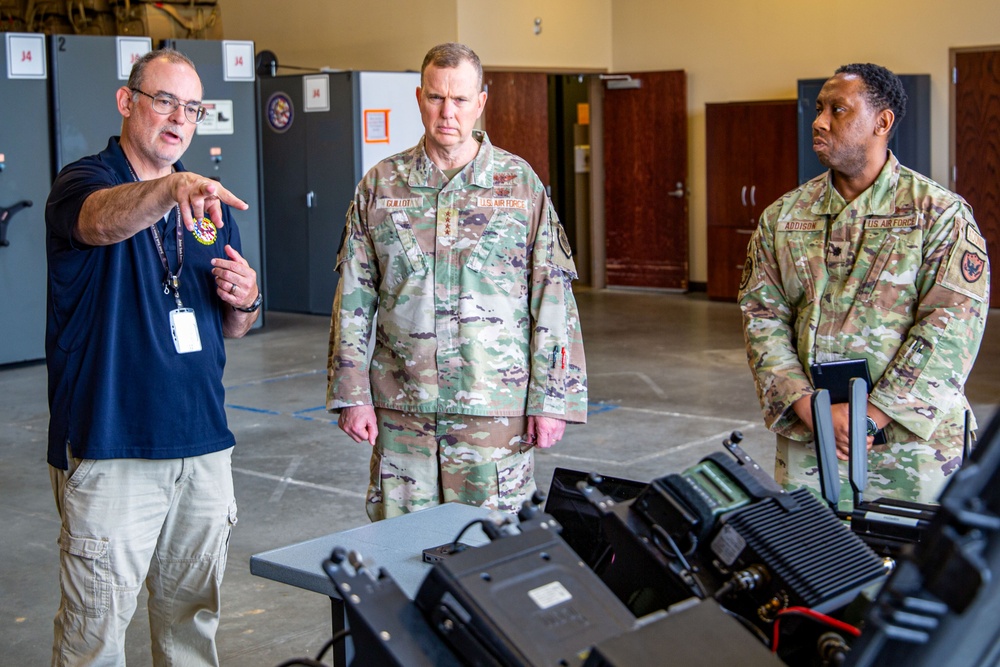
668	381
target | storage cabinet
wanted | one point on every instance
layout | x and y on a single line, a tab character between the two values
751	154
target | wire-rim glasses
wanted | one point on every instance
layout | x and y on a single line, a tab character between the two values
165	104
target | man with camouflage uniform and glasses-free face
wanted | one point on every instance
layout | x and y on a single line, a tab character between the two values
867	261
477	354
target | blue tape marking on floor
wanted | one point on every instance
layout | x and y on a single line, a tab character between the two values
291	376
299	412
597	408
247	408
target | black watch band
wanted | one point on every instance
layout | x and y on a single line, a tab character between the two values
873	428
252	308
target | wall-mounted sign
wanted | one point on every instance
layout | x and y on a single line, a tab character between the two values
376	126
131	49
25	56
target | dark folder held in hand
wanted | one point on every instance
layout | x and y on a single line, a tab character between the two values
835	377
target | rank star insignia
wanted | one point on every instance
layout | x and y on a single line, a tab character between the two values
205	231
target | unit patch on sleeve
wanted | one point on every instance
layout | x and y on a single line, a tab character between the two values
966	270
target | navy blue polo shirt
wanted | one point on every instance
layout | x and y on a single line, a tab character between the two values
117	386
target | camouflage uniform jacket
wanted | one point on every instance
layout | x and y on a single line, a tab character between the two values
899	277
471	280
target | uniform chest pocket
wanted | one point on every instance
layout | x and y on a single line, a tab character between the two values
500	255
396	246
893	258
801	262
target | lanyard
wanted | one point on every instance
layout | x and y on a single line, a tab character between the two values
170	280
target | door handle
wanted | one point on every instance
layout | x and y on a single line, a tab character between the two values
310	199
744	231
743	195
5	216
679	192
753	195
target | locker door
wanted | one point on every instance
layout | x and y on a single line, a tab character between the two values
283	149
229	149
84	80
25	177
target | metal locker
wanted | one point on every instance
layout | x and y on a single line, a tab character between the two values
25	179
319	134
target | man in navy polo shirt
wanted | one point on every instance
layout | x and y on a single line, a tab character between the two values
145	280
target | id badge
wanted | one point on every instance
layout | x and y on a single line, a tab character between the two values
184	328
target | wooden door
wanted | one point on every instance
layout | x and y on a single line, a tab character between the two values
645	163
976	147
517	116
773	154
728	165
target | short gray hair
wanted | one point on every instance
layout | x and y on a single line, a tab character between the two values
449	55
135	78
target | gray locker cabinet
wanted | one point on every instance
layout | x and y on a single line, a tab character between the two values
311	165
911	143
237	165
26	176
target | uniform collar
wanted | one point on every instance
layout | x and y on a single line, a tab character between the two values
425	174
879	199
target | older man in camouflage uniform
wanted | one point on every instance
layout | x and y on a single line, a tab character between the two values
868	261
478	355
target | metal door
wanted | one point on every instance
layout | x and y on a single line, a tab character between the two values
228	150
25	176
310	169
84	78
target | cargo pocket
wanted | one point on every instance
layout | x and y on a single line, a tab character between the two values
227	533
515	480
86	574
373	502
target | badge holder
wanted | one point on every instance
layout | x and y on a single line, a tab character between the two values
184	328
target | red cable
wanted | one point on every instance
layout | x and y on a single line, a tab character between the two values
814	615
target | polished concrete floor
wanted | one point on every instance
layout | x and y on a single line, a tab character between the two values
668	382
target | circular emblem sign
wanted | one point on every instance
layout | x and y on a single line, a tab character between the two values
279	112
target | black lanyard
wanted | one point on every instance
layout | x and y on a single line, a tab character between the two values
170	280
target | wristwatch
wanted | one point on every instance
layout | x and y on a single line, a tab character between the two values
873	428
252	308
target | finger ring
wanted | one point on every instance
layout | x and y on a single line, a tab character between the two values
232	290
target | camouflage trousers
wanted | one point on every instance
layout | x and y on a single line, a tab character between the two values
423	459
914	471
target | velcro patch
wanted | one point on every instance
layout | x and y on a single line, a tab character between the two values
973	236
800	225
498	202
393	204
890	223
966	270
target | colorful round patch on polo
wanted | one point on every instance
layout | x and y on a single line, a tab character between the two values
205	231
279	112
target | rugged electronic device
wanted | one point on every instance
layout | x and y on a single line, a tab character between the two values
724	529
887	525
524	599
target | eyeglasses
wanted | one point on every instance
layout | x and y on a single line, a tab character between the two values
165	105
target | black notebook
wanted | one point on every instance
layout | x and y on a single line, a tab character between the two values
836	376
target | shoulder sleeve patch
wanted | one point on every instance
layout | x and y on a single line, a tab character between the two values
562	253
967	271
346	249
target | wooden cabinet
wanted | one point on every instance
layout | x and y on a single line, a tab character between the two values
752	159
